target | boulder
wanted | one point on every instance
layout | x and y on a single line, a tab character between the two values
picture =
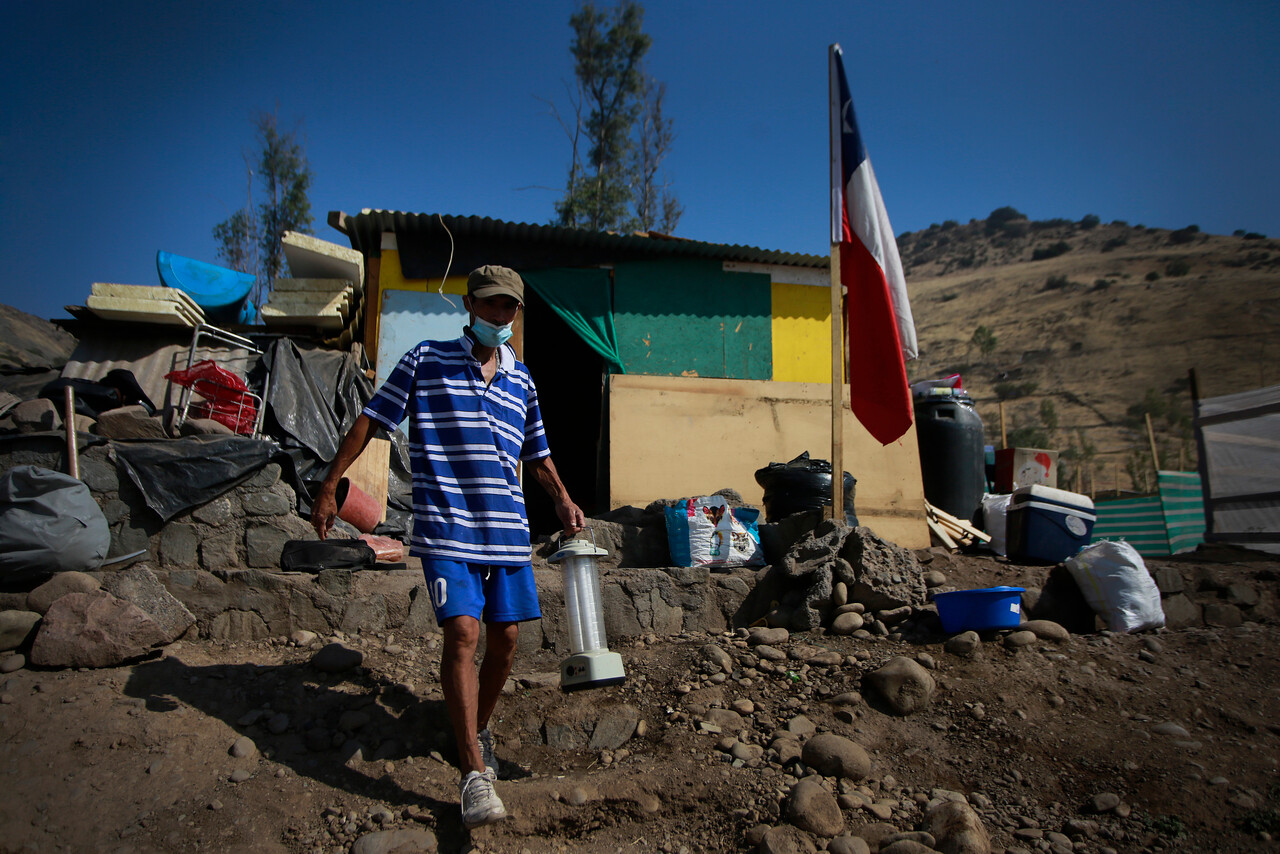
836	756
811	807
60	585
958	829
94	630
139	585
903	684
16	628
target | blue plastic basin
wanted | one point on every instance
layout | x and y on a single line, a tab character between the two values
979	610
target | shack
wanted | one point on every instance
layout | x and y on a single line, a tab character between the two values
665	366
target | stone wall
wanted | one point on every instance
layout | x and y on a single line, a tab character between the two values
221	560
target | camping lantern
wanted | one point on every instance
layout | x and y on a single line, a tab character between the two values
590	664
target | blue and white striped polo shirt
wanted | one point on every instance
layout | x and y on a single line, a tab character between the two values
464	442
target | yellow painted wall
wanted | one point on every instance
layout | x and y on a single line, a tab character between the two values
674	437
391	277
801	333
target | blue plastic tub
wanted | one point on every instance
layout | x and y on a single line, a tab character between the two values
979	610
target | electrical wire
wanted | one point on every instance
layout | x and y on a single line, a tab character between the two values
448	265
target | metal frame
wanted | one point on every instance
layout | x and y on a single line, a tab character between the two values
228	339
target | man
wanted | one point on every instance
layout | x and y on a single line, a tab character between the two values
473	414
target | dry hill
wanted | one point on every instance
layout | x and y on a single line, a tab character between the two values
1083	328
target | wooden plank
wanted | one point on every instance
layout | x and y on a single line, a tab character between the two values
370	471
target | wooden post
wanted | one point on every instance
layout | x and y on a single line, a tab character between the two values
1004	437
1117	476
73	457
1151	437
837	389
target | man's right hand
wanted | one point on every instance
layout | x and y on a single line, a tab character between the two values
324	510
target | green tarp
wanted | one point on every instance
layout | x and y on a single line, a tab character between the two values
583	300
1156	525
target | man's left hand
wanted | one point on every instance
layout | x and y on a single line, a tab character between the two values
571	516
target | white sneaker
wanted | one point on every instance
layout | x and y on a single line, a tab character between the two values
480	803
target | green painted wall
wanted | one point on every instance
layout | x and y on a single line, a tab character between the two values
690	318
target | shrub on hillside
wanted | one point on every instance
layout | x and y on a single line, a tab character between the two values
1115	243
1053	250
1153	276
1090	221
1184	235
1177	267
1000	218
1013	391
1053	283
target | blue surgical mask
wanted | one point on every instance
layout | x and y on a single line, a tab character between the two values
490	335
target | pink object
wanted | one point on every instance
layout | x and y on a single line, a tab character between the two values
357	507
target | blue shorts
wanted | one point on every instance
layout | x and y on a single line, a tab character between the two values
496	594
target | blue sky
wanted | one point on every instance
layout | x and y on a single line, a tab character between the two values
123	125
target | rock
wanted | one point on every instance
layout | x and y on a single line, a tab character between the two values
130	422
1105	802
958	829
875	833
748	753
243	748
788	749
336	658
1222	614
60	585
615	727
1171	729
36	416
919	837
785	839
771	637
93	630
800	726
139	585
964	644
1017	640
1046	630
905	685
303	638
1168	580
726	719
405	840
16	628
811	807
846	624
1180	612
836	756
718	657
907	846
13	661
204	427
848	845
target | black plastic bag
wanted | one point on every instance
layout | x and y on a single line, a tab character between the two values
802	484
317	555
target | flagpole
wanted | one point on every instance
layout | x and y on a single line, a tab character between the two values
837	313
837	390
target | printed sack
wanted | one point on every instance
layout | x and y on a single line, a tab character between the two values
706	531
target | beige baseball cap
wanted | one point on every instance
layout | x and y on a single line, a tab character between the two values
491	280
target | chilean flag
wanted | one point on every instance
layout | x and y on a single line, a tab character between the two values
882	333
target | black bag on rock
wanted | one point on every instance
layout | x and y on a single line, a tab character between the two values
316	555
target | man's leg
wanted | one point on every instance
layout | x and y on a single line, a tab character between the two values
462	688
499	655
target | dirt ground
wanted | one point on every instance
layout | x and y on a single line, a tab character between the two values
141	758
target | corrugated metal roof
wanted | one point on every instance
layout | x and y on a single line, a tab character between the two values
525	244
